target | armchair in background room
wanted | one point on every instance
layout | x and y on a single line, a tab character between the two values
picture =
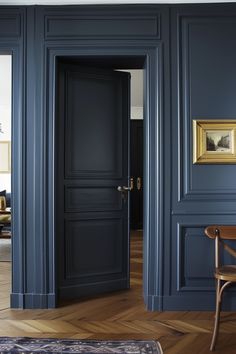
5	216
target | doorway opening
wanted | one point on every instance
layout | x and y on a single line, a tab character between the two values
136	176
94	158
5	177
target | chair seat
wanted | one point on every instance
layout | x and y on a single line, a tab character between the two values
227	272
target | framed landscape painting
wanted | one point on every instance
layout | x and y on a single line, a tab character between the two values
214	141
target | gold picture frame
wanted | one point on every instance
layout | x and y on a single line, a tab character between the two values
214	141
5	157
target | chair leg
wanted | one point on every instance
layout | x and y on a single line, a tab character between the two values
217	316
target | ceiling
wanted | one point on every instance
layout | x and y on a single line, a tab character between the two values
93	2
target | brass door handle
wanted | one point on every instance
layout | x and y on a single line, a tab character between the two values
139	183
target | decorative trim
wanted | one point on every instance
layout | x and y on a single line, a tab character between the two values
181	260
153	204
10	25
186	191
198	213
100	26
33	301
154	302
198	302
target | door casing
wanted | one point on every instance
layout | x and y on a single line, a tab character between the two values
151	55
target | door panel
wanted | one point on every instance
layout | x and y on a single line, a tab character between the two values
78	199
100	98
92	160
81	234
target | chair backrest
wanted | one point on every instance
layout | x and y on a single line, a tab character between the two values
219	233
226	232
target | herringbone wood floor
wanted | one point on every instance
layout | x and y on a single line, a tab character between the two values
119	315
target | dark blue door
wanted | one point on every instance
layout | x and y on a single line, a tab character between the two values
92	147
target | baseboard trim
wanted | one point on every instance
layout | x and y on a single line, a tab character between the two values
32	301
154	303
193	302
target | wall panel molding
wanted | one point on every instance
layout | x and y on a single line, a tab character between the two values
192	258
76	26
101	22
11	22
190	30
193	275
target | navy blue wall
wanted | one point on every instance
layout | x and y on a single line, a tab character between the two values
203	87
190	55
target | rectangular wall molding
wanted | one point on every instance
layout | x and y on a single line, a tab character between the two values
198	89
75	26
10	25
193	275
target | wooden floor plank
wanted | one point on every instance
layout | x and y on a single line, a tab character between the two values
120	315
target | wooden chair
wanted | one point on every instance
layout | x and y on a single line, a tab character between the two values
224	274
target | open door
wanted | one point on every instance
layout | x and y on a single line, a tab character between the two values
92	149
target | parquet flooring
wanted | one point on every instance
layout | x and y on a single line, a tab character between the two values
119	315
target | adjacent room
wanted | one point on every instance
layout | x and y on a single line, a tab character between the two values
5	178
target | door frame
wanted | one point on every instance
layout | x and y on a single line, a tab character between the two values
151	52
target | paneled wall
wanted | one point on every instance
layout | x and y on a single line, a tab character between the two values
203	87
190	74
